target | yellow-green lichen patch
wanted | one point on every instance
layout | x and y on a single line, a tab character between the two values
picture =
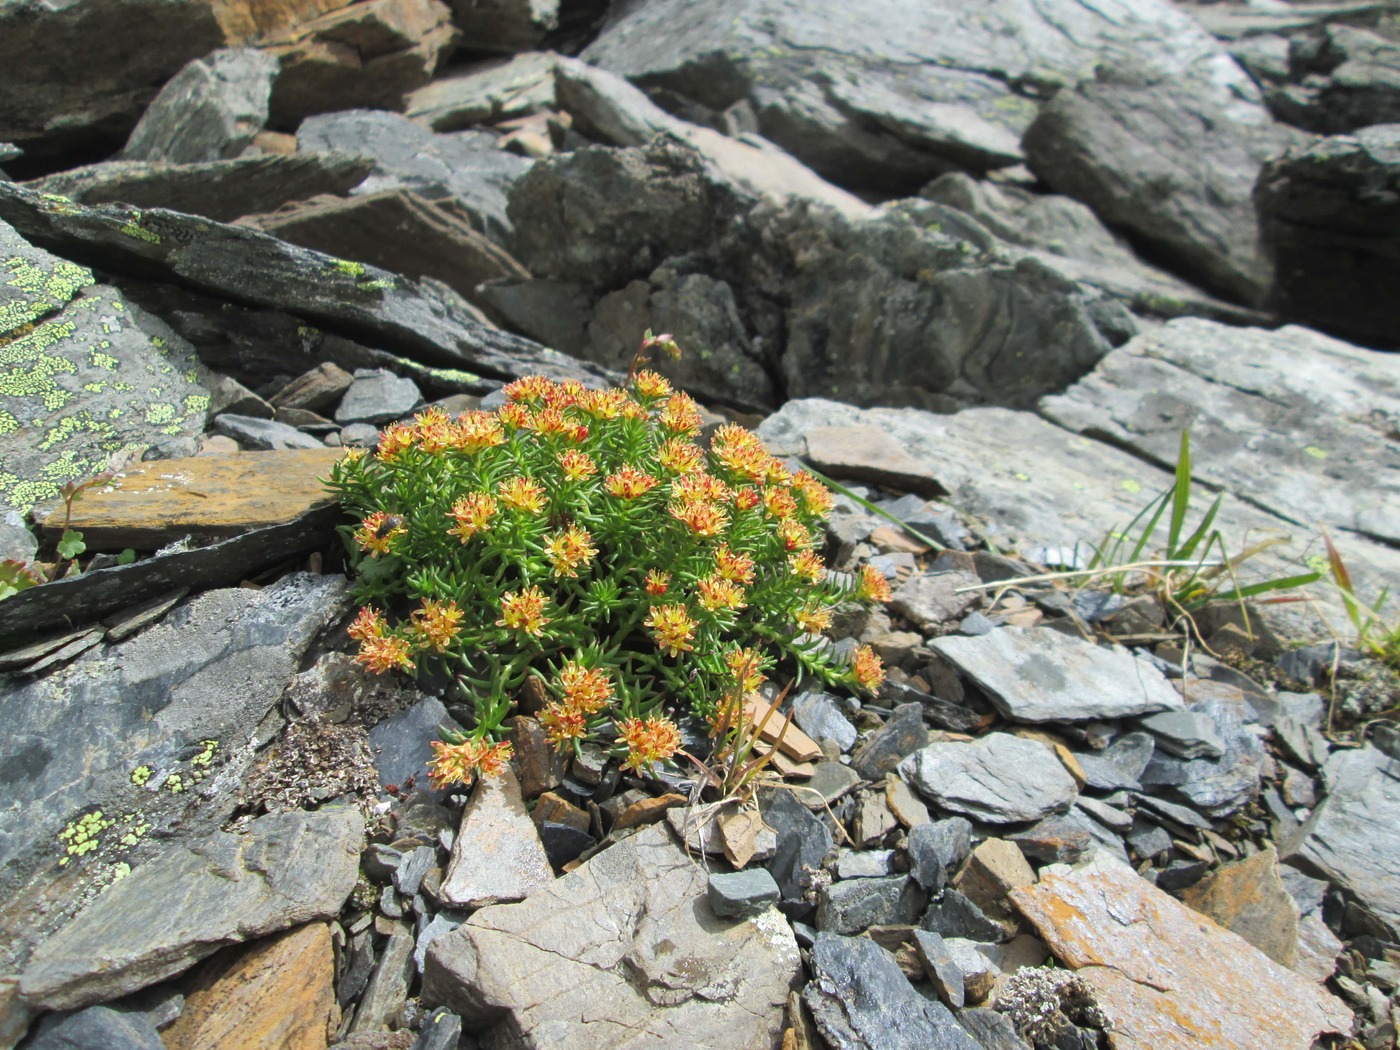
1315	452
140	775
384	284
82	836
38	291
174	783
160	415
206	756
133	228
348	268
8	423
70	426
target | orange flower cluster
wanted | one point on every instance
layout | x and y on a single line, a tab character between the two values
873	587
648	741
471	514
628	482
680	414
869	671
747	663
717	593
380	651
808	566
523	610
741	452
657	582
437	623
460	763
576	465
704	518
523	494
570	550
672	628
733	566
813	618
378	532
586	692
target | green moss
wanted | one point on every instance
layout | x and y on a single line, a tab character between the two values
384	284
348	268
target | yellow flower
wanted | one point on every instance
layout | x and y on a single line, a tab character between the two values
381	653
700	486
717	593
680	414
475	431
437	623
794	536
563	723
492	758
648	741
816	497
813	619
740	450
524	611
586	690
368	624
867	669
704	519
733	566
528	389
394	441
577	466
523	494
746	663
515	416
680	457
629	483
807	566
672	628
378	532
650	385
605	404
657	582
570	550
472	514
434	429
779	503
873	586
452	763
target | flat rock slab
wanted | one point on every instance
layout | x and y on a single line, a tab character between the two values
1353	837
1047	676
201	895
638	960
1168	978
1033	484
999	778
866	453
280	992
1250	898
1289	419
497	855
148	505
211	670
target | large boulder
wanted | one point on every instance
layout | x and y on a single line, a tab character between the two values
886	95
1335	79
1329	214
1170	165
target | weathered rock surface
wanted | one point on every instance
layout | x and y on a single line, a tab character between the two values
1330	225
997	778
1166	977
504	25
211	671
497	856
1337	79
279	993
1304	441
887	98
1350	837
639	960
1216	786
489	92
1250	899
210	110
95	1026
221	190
148	505
1047	676
861	1000
220	889
394	313
1175	166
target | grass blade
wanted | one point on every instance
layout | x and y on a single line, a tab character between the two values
1181	493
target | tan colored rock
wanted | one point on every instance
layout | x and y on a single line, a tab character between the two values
868	453
150	504
903	803
1167	977
1250	899
249	21
554	809
497	855
647	811
277	995
994	869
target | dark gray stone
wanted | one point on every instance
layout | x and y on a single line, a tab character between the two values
942	970
380	861
1329	220
1185	734
442	1030
902	734
1148	840
1155	155
936	849
803	842
830	780
408	876
505	26
992	1030
1060	839
377	396
1103	813
444	922
563	843
998	778
819	716
263	434
1045	676
955	915
1335	79
489	92
742	893
1351	836
1215	786
1178	874
466	167
1182	816
940	713
1119	765
860	1000
219	889
97	1026
852	905
210	110
864	864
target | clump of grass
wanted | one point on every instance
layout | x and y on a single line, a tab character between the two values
1376	636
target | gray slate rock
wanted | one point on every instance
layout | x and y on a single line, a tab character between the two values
942	970
1047	676
886	98
377	396
388	987
991	1029
264	435
465	167
852	905
211	670
222	190
420	321
902	734
937	849
1215	786
1154	154
505	26
97	1026
441	1031
489	92
1329	225
400	744
1351	837
860	1000
803	842
1185	734
956	915
1338	79
1302	439
497	855
199	896
863	863
1119	765
999	778
210	110
930	599
742	893
639	958
819	716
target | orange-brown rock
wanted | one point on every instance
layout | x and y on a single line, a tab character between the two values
1167	977
1249	898
277	995
249	21
151	504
